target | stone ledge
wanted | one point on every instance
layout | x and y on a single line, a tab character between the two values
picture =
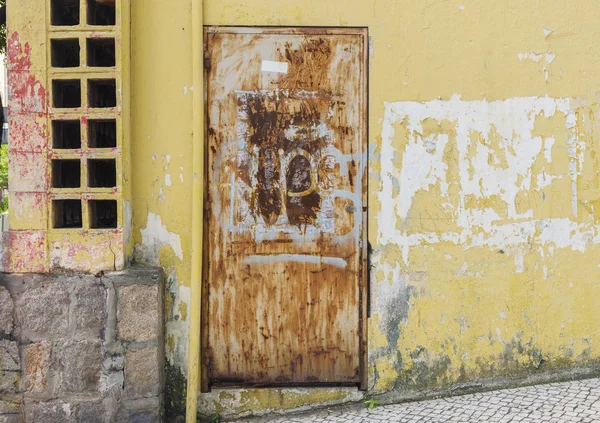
10	409
136	275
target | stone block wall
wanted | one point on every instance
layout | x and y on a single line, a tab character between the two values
82	348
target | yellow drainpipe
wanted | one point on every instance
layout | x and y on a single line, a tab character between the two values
197	209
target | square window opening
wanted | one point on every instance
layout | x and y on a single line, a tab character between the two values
101	52
102	133
103	214
101	12
65	53
66	214
66	93
102	173
66	134
66	173
102	93
64	12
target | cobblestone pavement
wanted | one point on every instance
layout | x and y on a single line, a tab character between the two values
564	402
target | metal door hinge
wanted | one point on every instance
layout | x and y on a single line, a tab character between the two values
207	63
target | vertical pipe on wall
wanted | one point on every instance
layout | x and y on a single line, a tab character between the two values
197	211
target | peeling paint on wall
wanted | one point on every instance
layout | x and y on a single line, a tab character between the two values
178	324
155	236
521	294
480	198
485	161
128	221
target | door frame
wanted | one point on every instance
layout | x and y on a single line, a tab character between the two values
363	274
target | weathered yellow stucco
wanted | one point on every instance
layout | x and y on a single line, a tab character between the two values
458	311
484	182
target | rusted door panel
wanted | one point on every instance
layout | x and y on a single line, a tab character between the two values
285	185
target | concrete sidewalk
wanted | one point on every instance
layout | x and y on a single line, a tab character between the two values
564	402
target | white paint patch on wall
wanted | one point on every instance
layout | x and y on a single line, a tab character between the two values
128	220
496	149
155	236
179	329
531	56
422	165
271	66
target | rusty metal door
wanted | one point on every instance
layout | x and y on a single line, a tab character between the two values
285	275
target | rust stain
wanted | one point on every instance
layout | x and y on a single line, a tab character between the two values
302	201
309	64
37	364
286	177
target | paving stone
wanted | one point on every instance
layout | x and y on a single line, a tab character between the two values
534	404
81	362
138	313
145	410
49	412
43	312
9	355
91	412
89	309
10	411
6	311
144	417
142	374
37	366
9	367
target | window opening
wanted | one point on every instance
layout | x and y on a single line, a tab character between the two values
103	214
101	12
65	53
101	52
64	12
102	93
66	93
102	173
66	214
102	133
66	173
66	134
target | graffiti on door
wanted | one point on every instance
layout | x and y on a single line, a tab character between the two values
288	167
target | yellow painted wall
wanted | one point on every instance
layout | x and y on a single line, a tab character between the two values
483	182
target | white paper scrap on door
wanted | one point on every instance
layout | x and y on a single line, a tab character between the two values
270	66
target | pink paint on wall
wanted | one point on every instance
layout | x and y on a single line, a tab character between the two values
24	252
